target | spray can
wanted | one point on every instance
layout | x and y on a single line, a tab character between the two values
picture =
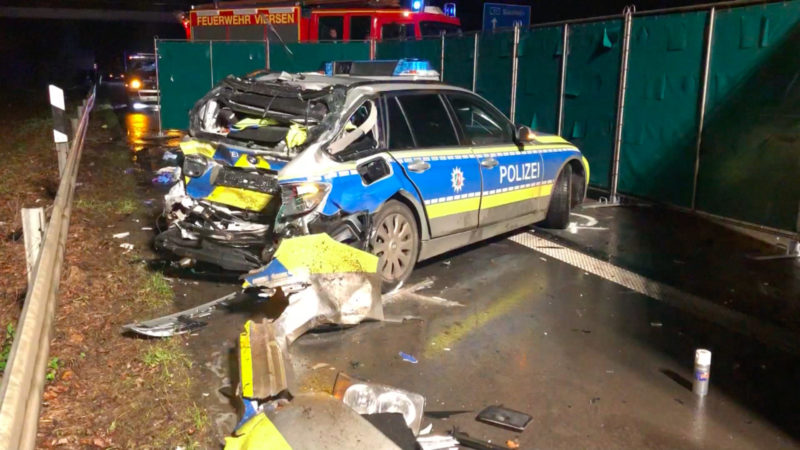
702	372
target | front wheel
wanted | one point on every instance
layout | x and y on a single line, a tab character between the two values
558	212
395	241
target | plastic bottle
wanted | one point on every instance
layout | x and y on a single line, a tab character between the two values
702	372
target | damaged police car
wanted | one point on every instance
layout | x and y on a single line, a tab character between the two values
377	154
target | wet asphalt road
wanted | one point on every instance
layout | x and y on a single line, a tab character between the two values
595	364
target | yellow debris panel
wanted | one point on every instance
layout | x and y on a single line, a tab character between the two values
319	253
246	361
256	434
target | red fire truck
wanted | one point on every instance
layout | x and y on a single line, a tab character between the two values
319	20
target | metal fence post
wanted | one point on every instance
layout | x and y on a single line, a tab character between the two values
712	15
563	79
475	63
211	61
441	61
158	85
58	109
623	86
33	225
514	70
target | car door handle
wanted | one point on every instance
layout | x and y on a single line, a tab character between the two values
489	163
418	166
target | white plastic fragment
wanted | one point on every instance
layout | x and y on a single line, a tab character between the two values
122	235
127	246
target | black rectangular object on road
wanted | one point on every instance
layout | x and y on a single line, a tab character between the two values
504	417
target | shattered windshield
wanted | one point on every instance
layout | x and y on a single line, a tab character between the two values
267	111
360	131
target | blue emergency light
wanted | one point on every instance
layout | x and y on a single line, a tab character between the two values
413	66
406	67
449	9
417	5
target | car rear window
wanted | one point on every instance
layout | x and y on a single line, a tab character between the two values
429	120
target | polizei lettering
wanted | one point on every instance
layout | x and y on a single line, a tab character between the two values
514	173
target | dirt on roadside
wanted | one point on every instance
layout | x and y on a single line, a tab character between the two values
104	390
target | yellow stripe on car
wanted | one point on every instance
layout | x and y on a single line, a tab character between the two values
239	198
195	147
453	207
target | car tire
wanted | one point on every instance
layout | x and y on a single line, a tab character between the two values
394	239
558	212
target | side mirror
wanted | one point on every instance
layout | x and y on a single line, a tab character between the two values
524	135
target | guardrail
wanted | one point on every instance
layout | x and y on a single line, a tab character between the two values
24	379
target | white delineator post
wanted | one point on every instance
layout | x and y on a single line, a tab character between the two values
58	107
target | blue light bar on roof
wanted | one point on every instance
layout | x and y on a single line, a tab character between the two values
413	66
407	67
449	9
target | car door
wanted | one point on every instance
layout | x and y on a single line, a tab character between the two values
423	139
511	175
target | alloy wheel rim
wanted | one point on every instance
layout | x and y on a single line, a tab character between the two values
393	245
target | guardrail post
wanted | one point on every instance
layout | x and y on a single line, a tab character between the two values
33	225
514	73
627	13
58	109
712	15
563	79
475	62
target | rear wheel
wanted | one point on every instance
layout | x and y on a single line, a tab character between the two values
395	241
558	212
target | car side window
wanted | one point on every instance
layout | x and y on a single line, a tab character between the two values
430	123
482	125
399	133
359	136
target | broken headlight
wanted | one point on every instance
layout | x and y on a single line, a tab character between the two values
302	198
373	398
194	165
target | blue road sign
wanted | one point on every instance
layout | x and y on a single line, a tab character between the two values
501	15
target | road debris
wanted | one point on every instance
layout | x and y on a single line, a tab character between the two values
126	246
465	440
408	358
167	175
121	235
504	417
656	324
410	293
324	281
262	367
437	442
371	398
183	321
319	366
